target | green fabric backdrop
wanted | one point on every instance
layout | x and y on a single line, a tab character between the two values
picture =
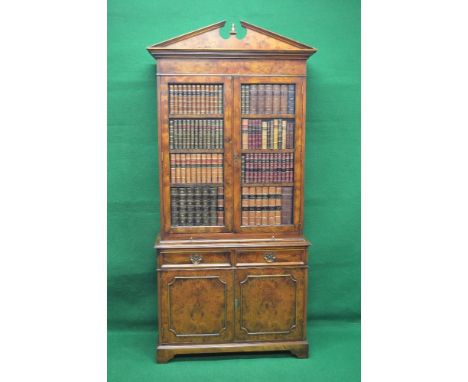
332	182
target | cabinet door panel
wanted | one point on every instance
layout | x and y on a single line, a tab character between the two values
195	148
196	306
268	140
270	304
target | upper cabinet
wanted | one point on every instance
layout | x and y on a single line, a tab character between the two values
231	133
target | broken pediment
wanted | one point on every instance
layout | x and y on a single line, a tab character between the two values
207	42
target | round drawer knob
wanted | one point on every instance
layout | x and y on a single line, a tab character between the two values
196	259
269	258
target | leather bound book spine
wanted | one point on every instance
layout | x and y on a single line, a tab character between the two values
244	206
264	135
291	98
276	98
171	99
204	206
258	206
247	99
261	99
271	205
275	134
242	99
253	98
264	205
171	134
268	99
189	206
174	206
245	133
277	205
197	206
213	205
284	99
220	207
182	207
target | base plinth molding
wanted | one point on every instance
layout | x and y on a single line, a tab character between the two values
164	353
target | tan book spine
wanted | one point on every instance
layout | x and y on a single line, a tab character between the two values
186	168
202	99
196	172
209	170
182	168
271	205
278	206
189	168
265	206
245	133
202	168
258	205
245	207
275	134
193	168
264	134
252	217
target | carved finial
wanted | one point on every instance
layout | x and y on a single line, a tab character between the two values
233	29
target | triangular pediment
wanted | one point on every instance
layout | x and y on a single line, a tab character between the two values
208	42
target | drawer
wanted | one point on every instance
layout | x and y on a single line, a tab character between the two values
271	257
198	259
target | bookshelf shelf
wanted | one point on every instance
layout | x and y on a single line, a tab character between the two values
268	184
195	151
196	116
196	184
266	151
268	116
231	128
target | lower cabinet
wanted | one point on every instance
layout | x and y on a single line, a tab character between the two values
232	305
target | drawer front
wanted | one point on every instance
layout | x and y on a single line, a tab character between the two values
199	259
271	257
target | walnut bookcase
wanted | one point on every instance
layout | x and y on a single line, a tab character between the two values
231	256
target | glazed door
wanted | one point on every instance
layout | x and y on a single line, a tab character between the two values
270	304
196	306
195	148
268	142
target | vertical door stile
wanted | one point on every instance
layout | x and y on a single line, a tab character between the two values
236	157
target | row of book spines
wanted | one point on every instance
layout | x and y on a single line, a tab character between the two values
196	168
196	133
267	168
195	99
266	206
271	134
197	206
268	98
